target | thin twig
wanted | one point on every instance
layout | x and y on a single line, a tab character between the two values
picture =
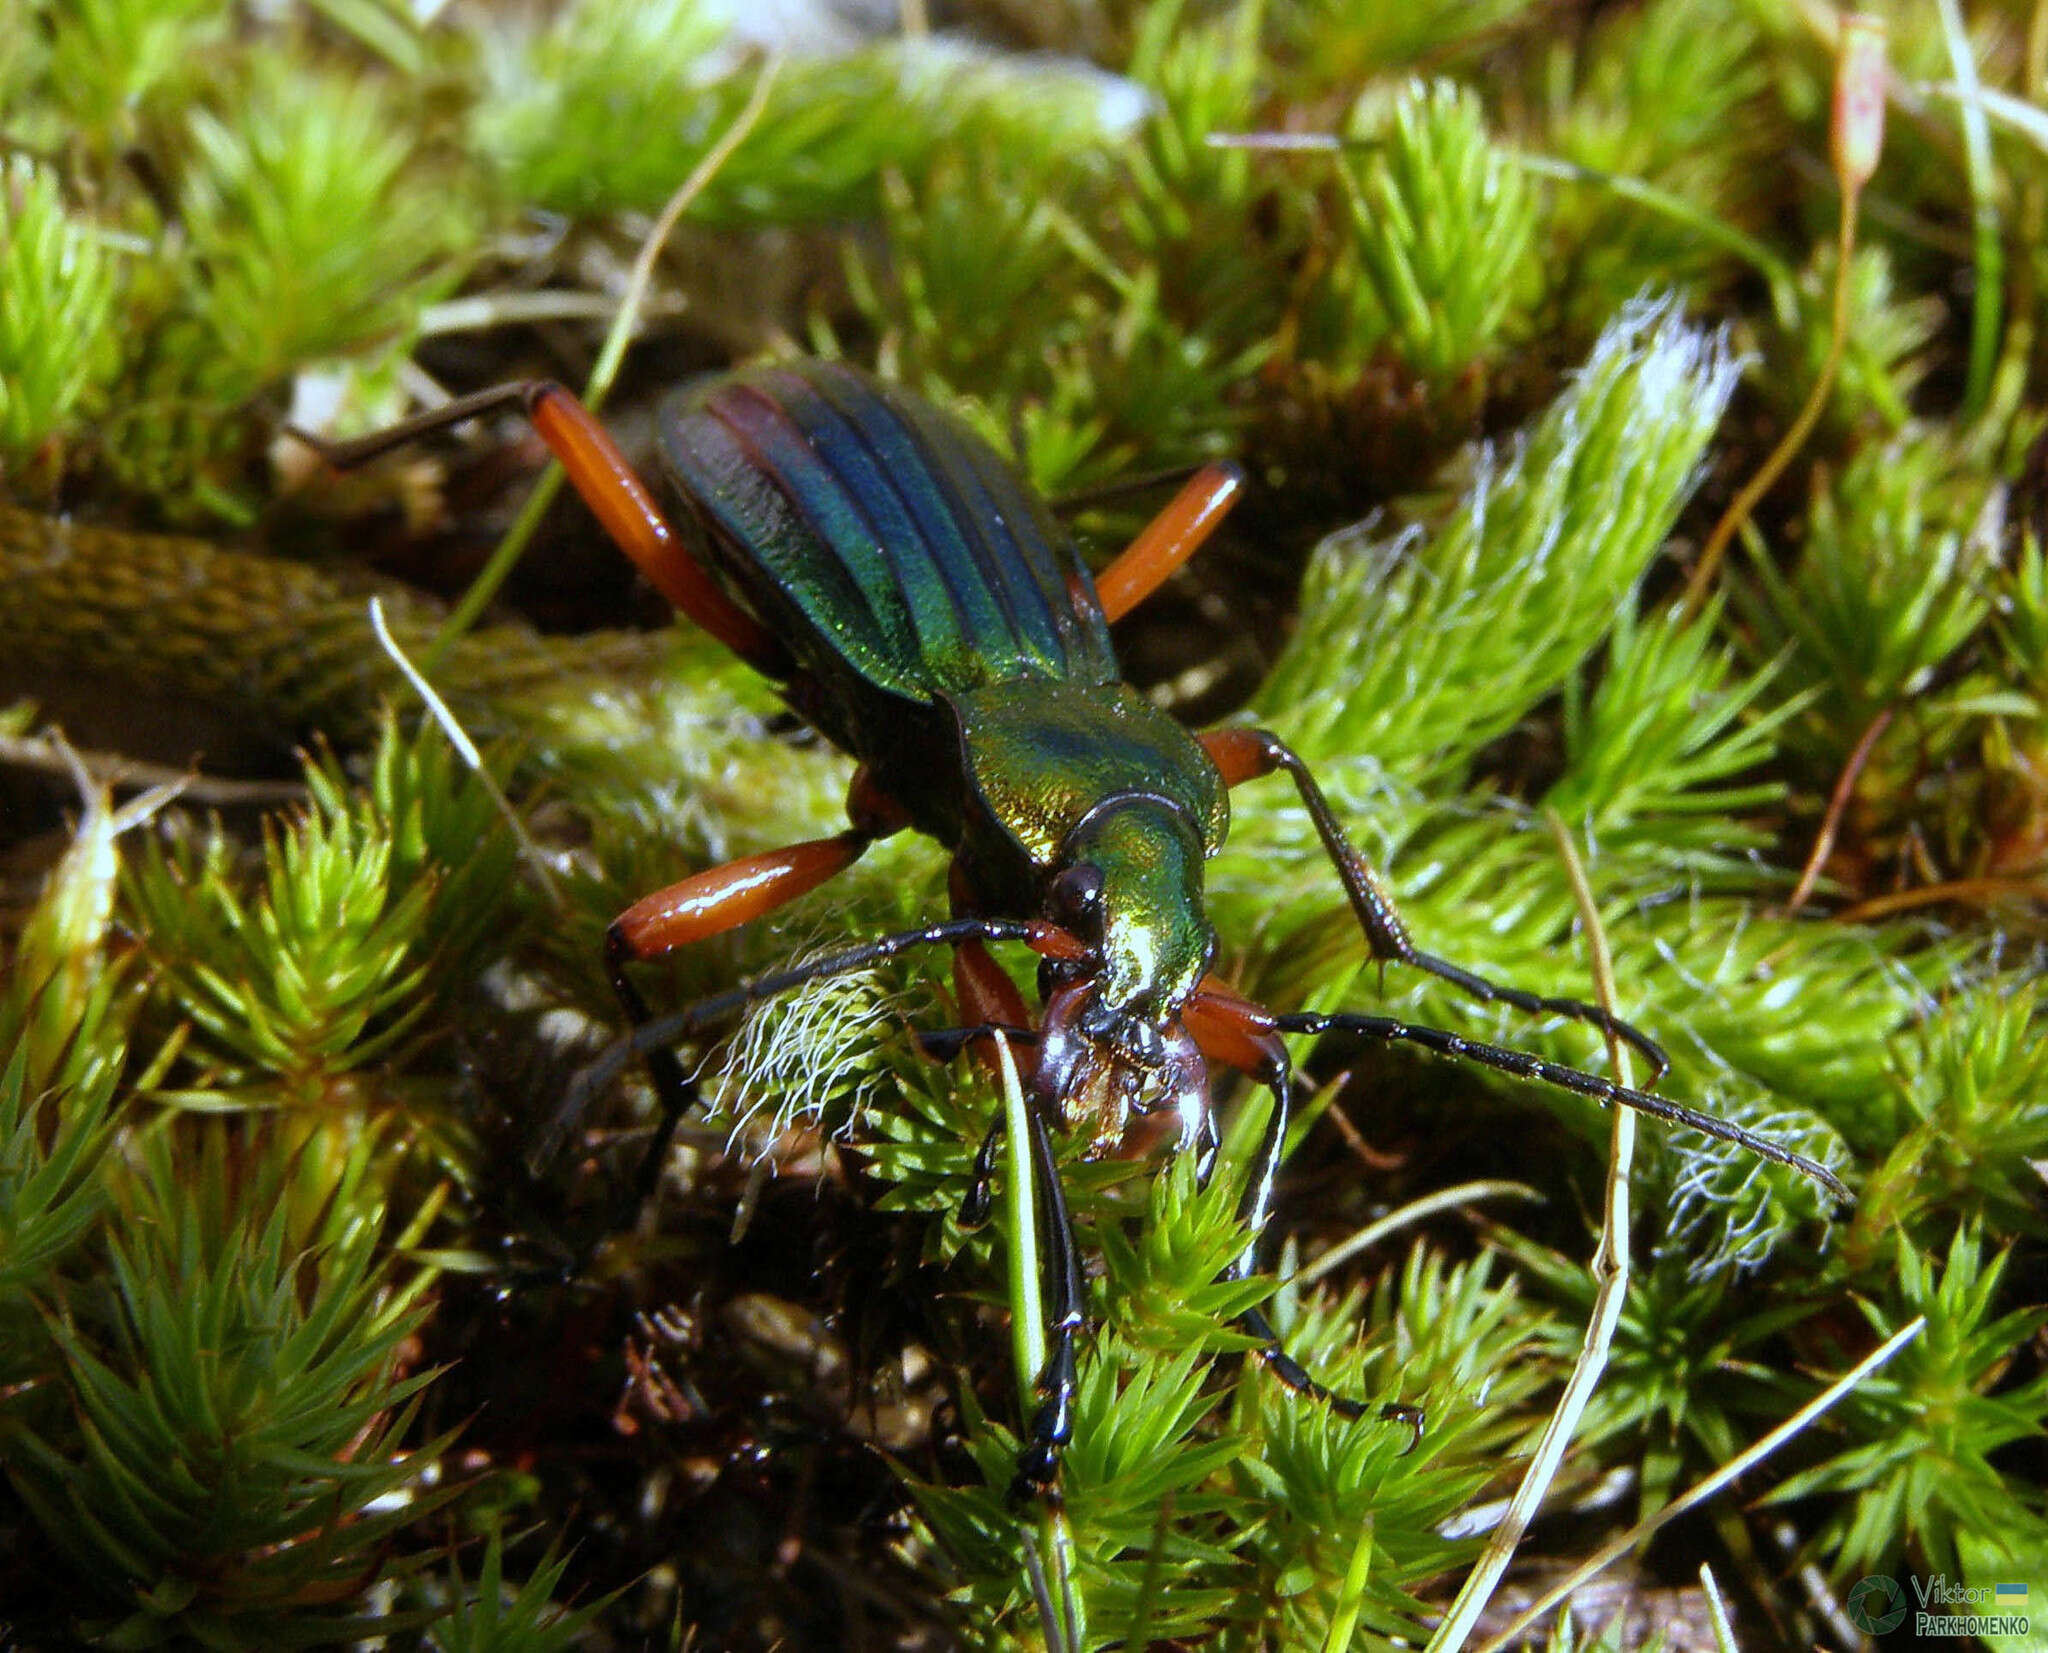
1982	890
1446	1199
47	756
1286	143
1717	1612
484	312
1354	1139
1855	141
466	749
642	277
1701	580
1821	1595
96	819
1838	803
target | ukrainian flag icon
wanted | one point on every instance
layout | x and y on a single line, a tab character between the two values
2011	1592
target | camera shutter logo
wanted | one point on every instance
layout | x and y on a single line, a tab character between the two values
1877	1604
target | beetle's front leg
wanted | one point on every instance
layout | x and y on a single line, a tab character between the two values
1228	1029
708	904
1232	1030
988	1000
1247	754
720	899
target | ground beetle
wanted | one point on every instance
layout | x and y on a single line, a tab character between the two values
914	601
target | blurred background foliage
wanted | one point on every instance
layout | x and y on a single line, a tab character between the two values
295	1350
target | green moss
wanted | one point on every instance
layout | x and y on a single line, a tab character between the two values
57	348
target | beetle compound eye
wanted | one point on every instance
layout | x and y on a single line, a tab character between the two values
1076	900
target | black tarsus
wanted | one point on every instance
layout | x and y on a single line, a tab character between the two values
1295	1376
674	1089
974	1209
1254	1211
1525	1066
526	394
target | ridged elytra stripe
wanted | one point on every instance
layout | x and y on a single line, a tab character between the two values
778	452
988	498
889	476
889	531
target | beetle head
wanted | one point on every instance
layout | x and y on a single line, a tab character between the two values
1112	1043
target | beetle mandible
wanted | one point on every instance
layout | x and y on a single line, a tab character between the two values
919	605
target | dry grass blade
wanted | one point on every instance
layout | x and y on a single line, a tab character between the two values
1446	1199
466	749
1610	1269
1706	1489
484	587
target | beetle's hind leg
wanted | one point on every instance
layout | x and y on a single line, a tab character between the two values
615	495
1247	754
1169	539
